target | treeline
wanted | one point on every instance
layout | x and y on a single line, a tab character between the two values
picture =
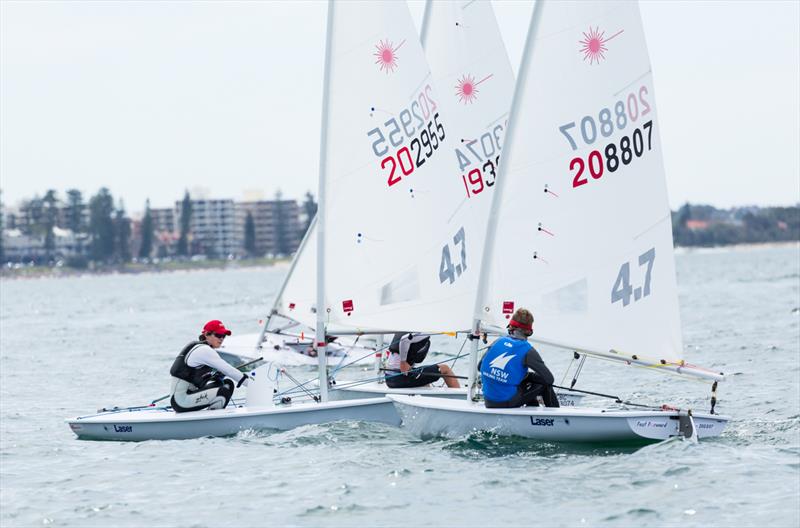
68	230
103	225
705	225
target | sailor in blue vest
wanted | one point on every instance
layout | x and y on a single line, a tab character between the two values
506	380
201	379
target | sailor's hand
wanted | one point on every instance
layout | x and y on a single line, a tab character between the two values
244	381
404	367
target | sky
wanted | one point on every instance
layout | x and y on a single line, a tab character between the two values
153	98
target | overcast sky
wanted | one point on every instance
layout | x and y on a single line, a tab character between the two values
151	98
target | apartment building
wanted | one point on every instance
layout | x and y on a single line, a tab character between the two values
213	227
277	225
163	219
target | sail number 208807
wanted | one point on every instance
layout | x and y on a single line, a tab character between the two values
629	147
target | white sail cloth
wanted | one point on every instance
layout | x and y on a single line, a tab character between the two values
389	183
583	231
405	255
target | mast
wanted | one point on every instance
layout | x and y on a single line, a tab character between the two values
491	226
426	17
274	309
323	148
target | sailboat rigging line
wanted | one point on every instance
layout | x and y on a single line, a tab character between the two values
566	372
300	385
356	360
399	373
578	370
383	348
617	399
355	343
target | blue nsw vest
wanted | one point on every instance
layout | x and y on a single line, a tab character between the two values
503	368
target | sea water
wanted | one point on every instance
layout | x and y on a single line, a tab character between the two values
71	345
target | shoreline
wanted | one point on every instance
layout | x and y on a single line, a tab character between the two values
739	247
40	272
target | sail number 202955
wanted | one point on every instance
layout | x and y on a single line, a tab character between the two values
422	148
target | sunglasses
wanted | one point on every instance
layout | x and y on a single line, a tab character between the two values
220	336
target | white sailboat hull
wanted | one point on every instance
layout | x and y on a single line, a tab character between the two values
165	424
431	417
379	390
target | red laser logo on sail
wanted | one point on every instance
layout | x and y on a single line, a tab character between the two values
387	55
594	44
467	88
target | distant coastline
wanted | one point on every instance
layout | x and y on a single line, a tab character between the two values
744	246
38	271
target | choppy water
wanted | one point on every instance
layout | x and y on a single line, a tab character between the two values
69	346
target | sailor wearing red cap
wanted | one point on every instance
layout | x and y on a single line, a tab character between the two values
201	379
505	377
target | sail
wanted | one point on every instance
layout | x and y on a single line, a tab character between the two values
583	231
389	180
470	68
470	65
297	299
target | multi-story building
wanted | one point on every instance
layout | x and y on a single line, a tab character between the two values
212	227
163	219
276	222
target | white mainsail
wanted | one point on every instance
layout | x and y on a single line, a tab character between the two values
474	76
394	258
470	65
582	234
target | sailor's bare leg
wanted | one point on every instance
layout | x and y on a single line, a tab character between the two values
449	378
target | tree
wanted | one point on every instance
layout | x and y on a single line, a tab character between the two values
101	225
74	213
281	232
146	248
122	234
250	235
32	212
186	223
49	217
310	209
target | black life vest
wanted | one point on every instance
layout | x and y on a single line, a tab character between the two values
416	351
197	376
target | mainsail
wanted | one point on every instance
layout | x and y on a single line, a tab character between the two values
418	239
388	179
582	232
471	67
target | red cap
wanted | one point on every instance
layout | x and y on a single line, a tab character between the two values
216	327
